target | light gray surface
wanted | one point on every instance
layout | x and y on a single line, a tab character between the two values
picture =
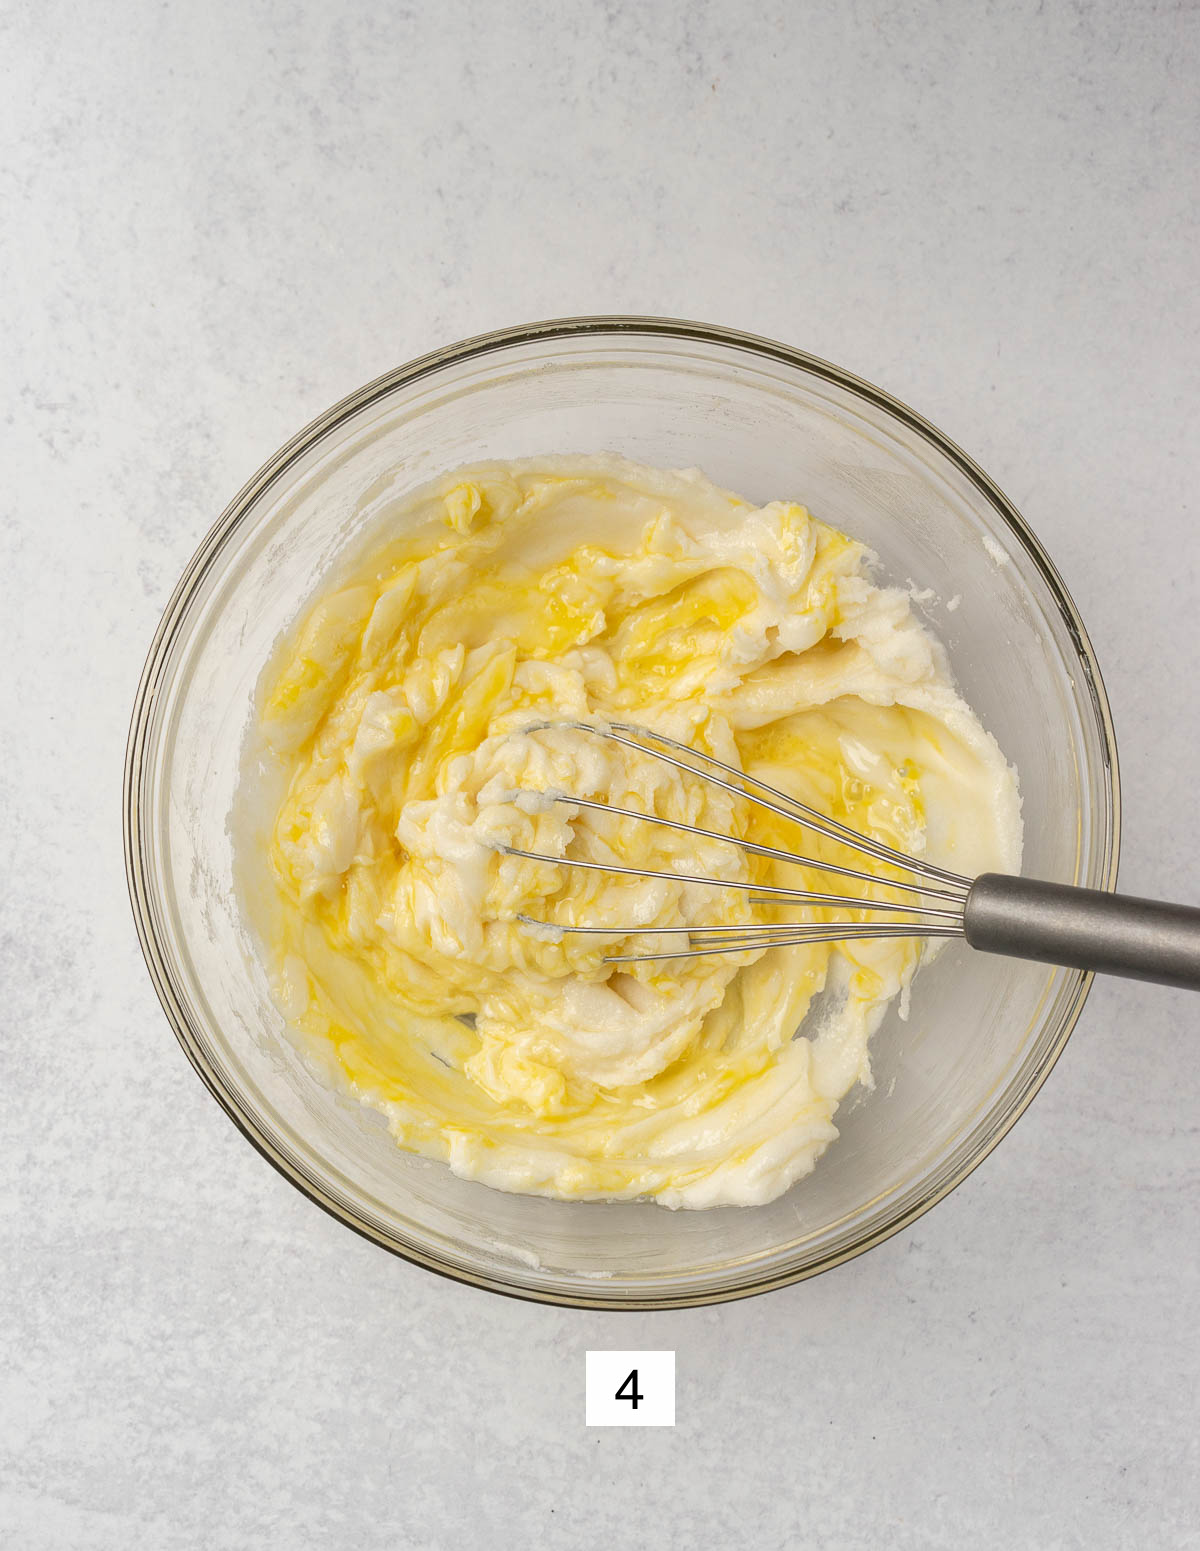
217	220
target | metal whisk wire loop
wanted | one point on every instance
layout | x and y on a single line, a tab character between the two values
916	919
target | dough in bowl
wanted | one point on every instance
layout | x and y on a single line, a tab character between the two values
398	738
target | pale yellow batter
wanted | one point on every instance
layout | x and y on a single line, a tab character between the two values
397	720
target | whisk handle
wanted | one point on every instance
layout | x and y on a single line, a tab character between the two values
1113	934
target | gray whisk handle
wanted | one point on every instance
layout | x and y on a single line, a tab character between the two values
1113	934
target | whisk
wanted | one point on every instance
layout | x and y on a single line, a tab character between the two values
1025	918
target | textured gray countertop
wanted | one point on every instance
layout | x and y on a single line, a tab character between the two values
216	220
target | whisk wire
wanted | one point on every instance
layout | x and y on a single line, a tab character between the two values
772	853
752	945
790	896
780	803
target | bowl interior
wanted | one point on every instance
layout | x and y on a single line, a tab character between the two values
981	1032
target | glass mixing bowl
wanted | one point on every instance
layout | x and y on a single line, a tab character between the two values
768	422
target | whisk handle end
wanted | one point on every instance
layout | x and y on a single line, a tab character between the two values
1112	934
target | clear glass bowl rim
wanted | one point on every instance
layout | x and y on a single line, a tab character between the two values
153	679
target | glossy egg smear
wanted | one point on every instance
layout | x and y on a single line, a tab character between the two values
402	725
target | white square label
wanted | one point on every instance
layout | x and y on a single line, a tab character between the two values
630	1389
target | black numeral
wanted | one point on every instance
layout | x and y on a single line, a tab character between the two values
629	1390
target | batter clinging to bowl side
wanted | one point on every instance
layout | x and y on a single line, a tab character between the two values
396	722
